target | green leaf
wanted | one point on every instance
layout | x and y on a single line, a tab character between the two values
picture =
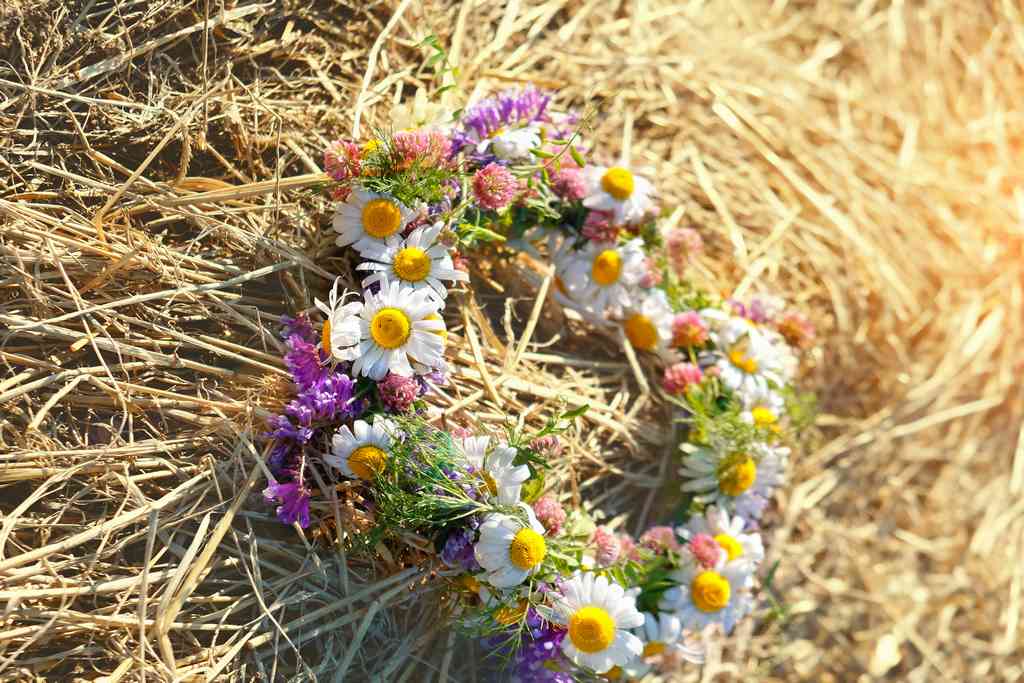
578	412
577	157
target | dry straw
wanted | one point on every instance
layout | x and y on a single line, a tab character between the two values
154	225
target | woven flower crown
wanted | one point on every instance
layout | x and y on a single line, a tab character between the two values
548	589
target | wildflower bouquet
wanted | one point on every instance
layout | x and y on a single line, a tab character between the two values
554	594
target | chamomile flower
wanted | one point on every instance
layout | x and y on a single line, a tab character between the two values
703	596
418	261
739	482
648	325
729	532
509	549
368	218
598	616
763	407
503	479
663	637
363	451
514	144
748	362
602	277
341	328
400	329
618	191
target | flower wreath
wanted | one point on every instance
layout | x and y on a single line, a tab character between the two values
555	593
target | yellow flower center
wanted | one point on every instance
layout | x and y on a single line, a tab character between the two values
470	583
325	337
763	417
740	359
653	648
412	264
618	182
496	132
591	629
613	674
506	616
607	267
527	549
641	332
381	218
730	545
738	477
492	486
390	328
710	591
367	462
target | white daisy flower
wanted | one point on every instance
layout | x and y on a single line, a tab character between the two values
598	615
763	407
747	360
741	483
601	277
616	190
504	479
515	144
363	451
510	550
648	325
663	637
341	328
400	329
703	596
729	532
367	218
418	261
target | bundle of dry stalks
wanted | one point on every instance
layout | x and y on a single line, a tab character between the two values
857	156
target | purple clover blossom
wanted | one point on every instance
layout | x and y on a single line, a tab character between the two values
293	497
458	551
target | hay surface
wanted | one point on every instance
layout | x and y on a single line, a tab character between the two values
856	156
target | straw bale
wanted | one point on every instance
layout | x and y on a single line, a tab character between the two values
155	222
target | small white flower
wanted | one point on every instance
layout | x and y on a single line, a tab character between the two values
617	190
341	329
602	278
763	407
703	596
418	261
511	145
400	329
648	324
368	218
663	637
363	451
598	615
504	479
741	483
510	550
747	360
730	534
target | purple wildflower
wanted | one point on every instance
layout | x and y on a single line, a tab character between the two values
303	357
329	398
458	551
515	106
294	502
541	643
